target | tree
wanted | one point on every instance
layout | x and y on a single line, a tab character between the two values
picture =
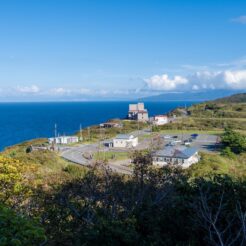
234	140
16	230
220	210
142	162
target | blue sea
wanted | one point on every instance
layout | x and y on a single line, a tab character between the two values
24	121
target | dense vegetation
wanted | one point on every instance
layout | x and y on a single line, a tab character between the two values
233	141
204	205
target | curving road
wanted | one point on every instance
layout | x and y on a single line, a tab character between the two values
76	155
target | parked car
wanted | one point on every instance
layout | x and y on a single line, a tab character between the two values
167	137
187	143
177	141
171	143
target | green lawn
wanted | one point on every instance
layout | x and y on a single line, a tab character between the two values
142	137
111	155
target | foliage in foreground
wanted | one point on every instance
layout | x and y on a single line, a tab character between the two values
154	207
14	179
205	205
16	230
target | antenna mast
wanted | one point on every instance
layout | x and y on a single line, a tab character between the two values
55	130
80	131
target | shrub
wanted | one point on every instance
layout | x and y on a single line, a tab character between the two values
17	230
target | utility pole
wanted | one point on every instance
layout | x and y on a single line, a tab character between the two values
99	143
54	142
89	133
55	130
138	128
80	131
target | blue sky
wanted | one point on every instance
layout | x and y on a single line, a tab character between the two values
107	49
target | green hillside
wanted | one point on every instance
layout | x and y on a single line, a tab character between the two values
212	115
237	98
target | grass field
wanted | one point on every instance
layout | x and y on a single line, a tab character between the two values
111	155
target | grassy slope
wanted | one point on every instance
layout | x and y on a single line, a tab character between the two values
211	164
237	98
52	169
213	116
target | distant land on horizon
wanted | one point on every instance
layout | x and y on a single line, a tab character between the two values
191	96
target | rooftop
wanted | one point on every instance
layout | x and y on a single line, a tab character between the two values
176	152
124	136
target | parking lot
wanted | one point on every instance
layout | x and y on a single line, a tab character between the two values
203	142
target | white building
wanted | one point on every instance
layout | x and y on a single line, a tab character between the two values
160	120
125	141
174	155
138	112
64	140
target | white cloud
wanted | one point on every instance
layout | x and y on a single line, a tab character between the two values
84	91
28	89
163	82
103	92
236	79
227	79
60	91
195	87
241	19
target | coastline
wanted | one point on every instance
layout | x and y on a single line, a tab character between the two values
26	121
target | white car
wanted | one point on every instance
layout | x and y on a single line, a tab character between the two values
167	137
177	141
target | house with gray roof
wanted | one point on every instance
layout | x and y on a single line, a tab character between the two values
175	155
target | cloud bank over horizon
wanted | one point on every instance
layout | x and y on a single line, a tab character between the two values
201	80
229	76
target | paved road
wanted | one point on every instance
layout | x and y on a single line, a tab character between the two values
77	155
